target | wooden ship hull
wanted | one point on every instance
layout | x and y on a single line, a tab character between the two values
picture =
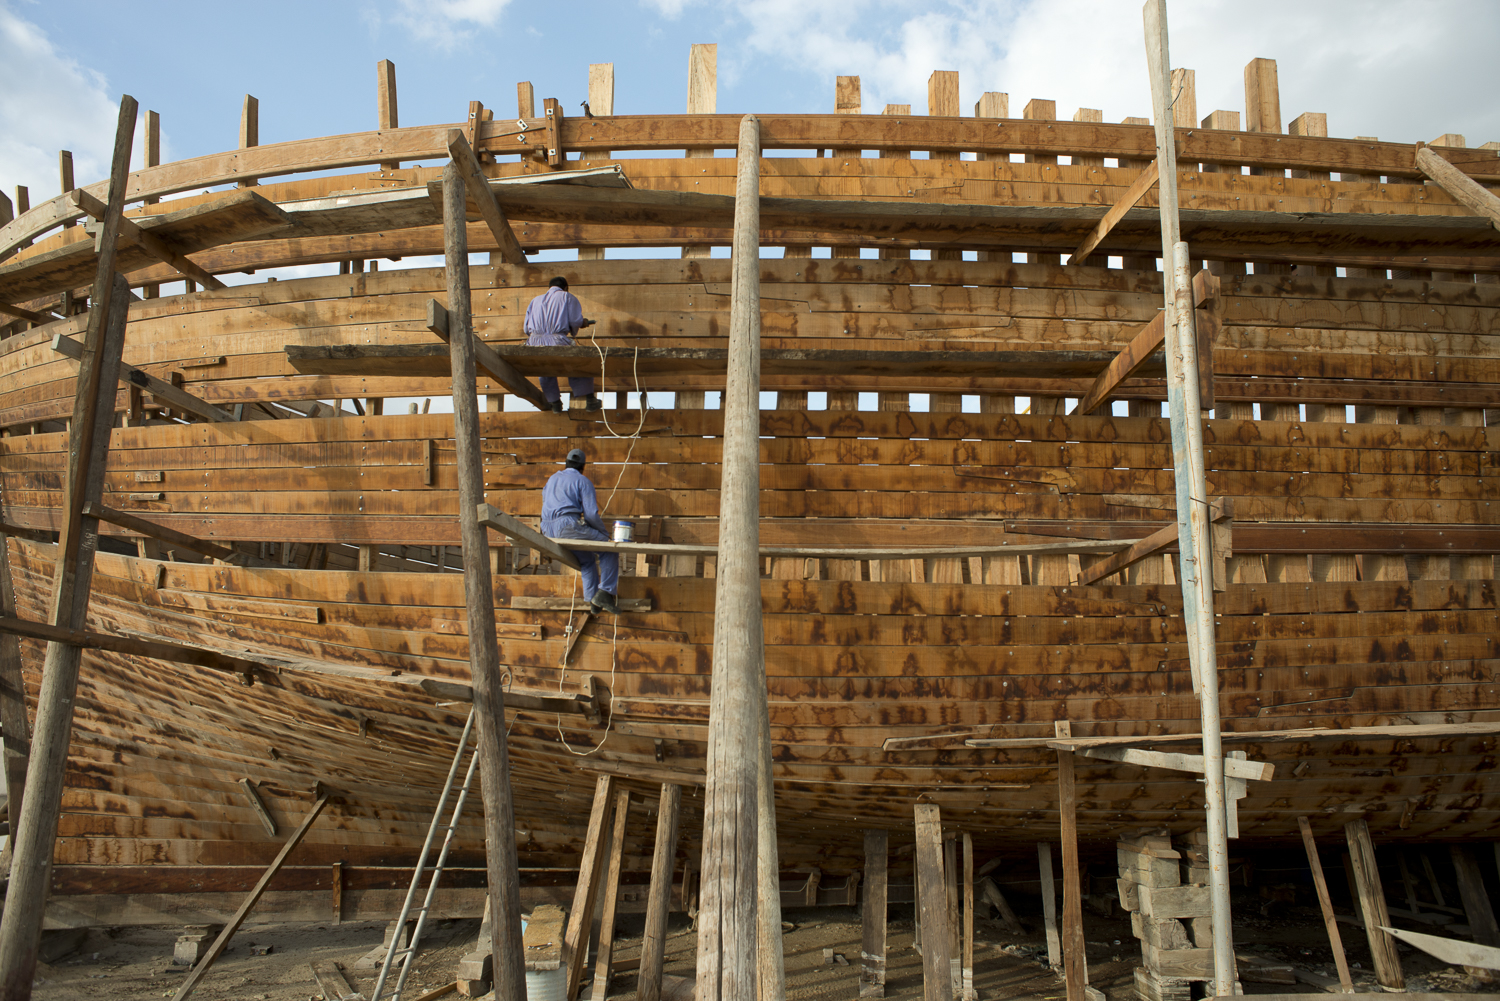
1355	564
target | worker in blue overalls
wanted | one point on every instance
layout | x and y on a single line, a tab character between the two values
570	510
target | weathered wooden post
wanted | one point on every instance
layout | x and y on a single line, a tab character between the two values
479	596
35	830
727	953
1193	529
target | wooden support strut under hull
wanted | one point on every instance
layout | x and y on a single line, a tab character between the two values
214	951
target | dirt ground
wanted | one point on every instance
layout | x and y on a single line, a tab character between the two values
137	962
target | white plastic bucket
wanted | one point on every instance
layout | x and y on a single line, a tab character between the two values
550	985
623	530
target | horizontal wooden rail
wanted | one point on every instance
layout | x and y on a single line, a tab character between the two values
174	652
664	132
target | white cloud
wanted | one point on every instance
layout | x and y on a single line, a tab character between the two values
49	102
1400	70
669	9
445	24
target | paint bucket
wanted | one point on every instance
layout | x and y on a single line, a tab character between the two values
622	531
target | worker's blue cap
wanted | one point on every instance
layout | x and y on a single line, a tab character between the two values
575	457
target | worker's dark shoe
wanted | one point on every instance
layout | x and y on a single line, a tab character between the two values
592	402
557	407
603	601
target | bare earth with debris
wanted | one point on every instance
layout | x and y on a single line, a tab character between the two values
137	962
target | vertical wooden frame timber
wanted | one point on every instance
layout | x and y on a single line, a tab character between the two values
932	905
727	917
872	942
659	899
479	597
35	832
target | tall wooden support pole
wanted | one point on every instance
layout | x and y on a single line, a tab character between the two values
872	945
932	905
1372	906
35	831
479	596
659	900
1075	961
727	953
1049	905
770	961
1193	528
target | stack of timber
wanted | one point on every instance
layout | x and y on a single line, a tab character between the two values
1167	897
934	587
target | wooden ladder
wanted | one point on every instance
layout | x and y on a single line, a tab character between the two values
397	951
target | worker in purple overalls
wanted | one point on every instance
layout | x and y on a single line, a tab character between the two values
552	319
570	510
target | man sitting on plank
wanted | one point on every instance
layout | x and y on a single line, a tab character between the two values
552	319
570	510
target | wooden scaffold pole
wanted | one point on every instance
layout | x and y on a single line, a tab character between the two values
728	912
479	595
1193	527
35	831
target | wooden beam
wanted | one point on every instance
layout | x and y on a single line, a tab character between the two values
172	537
249	131
932	901
553	113
1137	190
233	925
491	517
604	954
332	982
259	806
1151	544
1330	921
1464	189
1142	346
34	833
1372	906
1075	960
1402	732
1475	898
580	704
730	932
1453	951
15	721
26	314
151	243
872	942
590	874
968	917
507	947
387	116
1091	546
494	366
659	899
155	649
178	399
479	191
1049	905
1253	770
